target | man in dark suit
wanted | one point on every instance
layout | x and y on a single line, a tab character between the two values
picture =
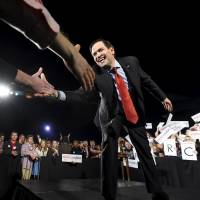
113	117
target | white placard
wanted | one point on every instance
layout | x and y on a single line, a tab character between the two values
135	154
73	158
132	163
134	150
169	118
148	126
128	139
185	123
160	125
170	147
196	117
171	128
188	151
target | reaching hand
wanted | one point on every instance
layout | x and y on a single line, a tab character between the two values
82	70
73	60
51	91
40	85
167	105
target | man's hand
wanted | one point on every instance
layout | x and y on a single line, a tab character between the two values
34	81
167	105
41	85
87	76
51	92
73	60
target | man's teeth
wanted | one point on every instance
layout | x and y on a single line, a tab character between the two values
101	60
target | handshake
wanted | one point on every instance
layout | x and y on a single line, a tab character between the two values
51	92
42	88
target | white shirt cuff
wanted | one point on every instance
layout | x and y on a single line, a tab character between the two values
61	96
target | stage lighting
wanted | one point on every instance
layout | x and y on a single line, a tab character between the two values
4	91
47	128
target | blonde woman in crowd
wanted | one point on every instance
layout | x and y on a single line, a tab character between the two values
41	151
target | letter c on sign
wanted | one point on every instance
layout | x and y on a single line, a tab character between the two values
188	152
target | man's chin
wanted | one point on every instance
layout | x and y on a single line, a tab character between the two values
101	64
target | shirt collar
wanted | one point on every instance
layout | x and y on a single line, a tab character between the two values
117	66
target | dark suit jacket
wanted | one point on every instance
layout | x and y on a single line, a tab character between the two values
7	71
14	164
7	148
28	21
137	79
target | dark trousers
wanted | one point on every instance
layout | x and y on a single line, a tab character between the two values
110	163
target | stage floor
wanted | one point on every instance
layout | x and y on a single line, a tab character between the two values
84	189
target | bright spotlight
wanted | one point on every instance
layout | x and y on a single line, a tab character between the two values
4	91
47	128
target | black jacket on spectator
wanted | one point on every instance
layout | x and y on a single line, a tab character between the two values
10	170
14	167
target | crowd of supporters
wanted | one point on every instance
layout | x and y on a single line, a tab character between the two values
25	152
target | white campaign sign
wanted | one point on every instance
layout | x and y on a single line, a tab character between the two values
170	147
188	151
128	139
171	128
160	125
185	123
132	163
169	118
72	158
196	117
148	126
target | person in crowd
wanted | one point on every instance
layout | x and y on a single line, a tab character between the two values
22	139
41	151
94	150
12	149
29	155
12	152
49	143
84	149
1	142
54	150
76	148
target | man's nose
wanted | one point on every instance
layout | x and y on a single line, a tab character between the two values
98	54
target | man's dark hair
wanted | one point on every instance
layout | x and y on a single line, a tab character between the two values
107	43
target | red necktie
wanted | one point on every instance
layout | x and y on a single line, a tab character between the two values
127	103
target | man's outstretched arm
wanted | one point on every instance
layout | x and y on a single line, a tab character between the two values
32	19
9	73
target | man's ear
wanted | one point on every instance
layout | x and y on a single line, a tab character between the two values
112	51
